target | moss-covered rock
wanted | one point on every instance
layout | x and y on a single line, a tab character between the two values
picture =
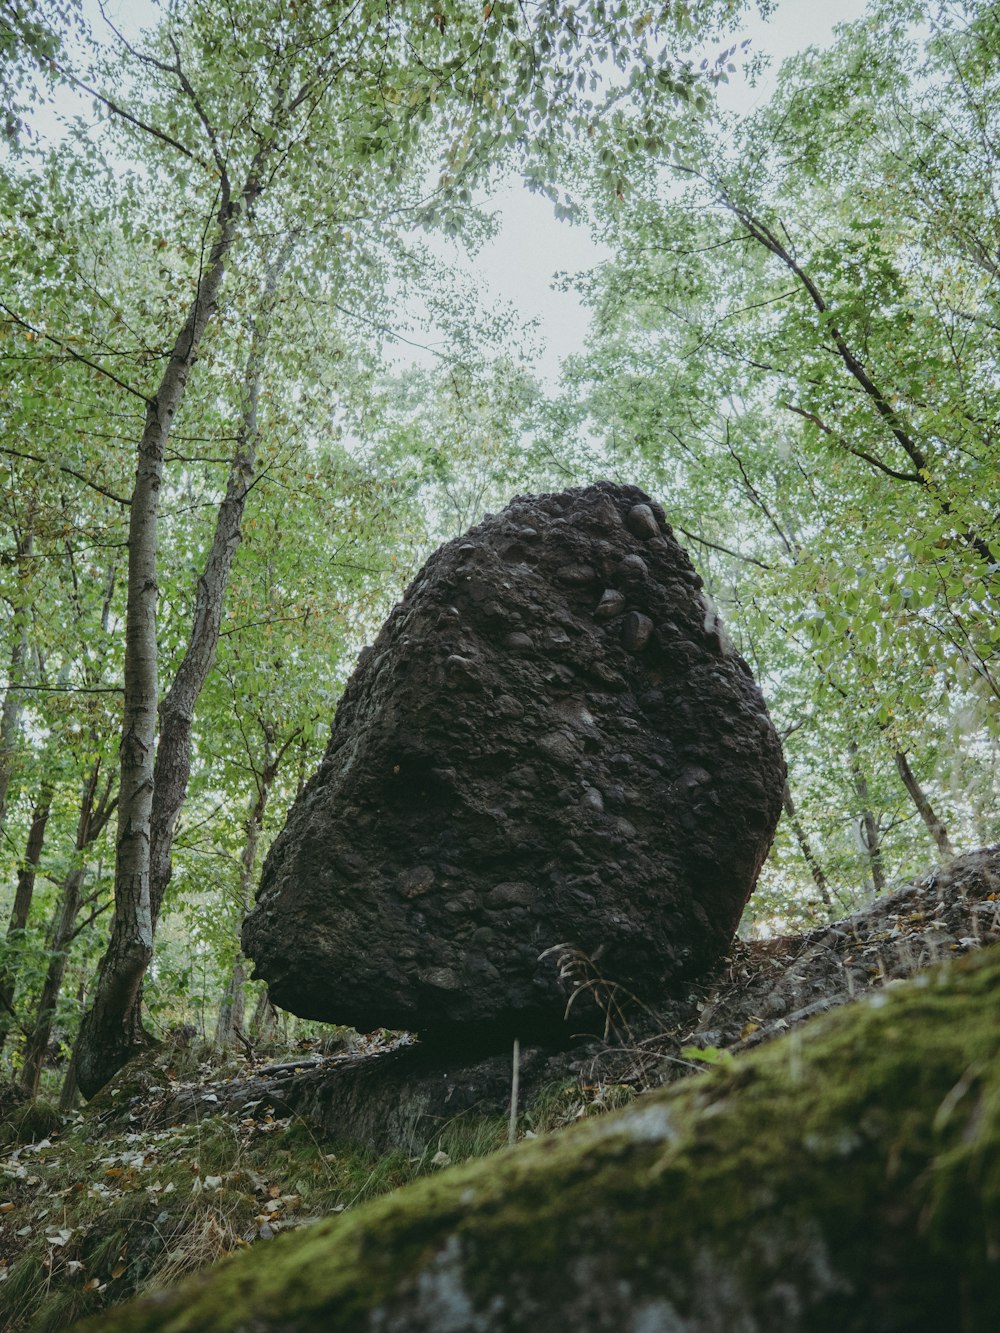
844	1178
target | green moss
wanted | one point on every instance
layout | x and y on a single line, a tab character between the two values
845	1178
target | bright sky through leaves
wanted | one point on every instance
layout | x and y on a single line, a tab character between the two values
519	265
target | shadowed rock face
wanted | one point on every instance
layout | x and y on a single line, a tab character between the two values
550	755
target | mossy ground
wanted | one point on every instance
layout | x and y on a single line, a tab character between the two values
96	1208
844	1178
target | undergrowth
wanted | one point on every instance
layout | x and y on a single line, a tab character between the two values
94	1209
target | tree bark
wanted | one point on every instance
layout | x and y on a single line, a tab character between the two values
926	811
38	1039
173	757
13	701
870	833
265	1018
69	1093
231	1015
94	814
809	856
112	1031
22	904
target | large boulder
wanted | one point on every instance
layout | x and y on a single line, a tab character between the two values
551	779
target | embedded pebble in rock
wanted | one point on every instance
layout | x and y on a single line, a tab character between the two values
549	768
612	604
641	521
636	629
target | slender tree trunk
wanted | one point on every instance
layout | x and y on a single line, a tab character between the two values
94	815
265	1018
173	757
871	835
62	935
808	855
112	1031
13	701
926	811
10	718
231	1006
22	904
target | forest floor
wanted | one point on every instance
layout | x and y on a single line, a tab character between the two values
98	1205
189	1156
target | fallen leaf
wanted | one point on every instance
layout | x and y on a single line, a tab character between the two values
7	1207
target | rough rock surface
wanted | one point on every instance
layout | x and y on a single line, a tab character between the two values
551	776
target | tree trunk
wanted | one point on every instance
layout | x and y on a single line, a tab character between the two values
231	1007
22	905
62	936
232	1016
69	1093
809	856
13	701
926	811
265	1018
870	835
94	815
173	757
112	1031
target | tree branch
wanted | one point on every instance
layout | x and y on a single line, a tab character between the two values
64	467
120	111
715	546
76	356
858	453
89	921
766	237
